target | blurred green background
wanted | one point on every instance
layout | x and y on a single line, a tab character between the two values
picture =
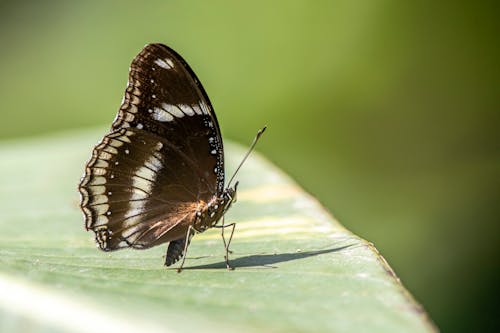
387	111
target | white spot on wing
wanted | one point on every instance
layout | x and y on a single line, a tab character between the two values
115	143
146	172
138	195
133	227
142	185
204	108
127	134
154	163
173	110
162	115
101	209
197	109
132	108
168	64
147	177
186	109
101	220
97	180
99	198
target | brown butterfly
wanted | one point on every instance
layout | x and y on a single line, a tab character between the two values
158	175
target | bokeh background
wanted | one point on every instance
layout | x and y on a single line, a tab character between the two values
387	111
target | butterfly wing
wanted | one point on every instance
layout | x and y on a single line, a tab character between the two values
161	161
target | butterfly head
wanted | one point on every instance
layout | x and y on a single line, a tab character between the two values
229	196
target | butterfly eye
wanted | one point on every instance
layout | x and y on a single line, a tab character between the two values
233	192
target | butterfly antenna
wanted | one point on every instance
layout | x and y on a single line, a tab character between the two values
257	137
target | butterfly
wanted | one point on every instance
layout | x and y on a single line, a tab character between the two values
158	175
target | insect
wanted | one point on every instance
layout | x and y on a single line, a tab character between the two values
158	175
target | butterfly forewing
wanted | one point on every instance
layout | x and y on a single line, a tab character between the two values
164	97
162	159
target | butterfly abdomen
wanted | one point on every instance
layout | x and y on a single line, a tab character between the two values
175	251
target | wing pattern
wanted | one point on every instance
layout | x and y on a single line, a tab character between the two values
161	161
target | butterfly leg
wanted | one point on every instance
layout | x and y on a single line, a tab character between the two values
233	225
188	238
226	245
222	226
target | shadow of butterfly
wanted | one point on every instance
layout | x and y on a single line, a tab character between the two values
158	175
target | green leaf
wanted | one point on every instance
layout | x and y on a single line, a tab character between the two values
297	269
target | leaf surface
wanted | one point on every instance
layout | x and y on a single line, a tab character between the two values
297	268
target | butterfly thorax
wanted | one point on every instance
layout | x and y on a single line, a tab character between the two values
208	216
